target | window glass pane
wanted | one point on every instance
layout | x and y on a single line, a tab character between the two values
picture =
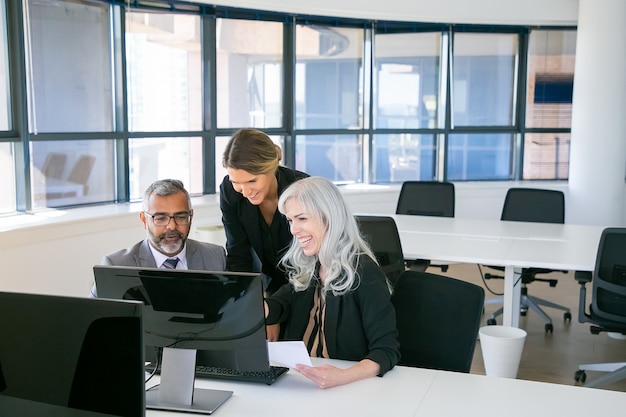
546	156
336	157
329	72
220	145
7	178
67	173
249	73
403	156
484	79
69	65
406	77
550	78
151	159
164	67
5	106
479	157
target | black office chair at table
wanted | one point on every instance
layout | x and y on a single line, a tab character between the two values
438	318
382	235
426	198
607	312
538	206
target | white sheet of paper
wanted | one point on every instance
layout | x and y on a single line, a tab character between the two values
288	353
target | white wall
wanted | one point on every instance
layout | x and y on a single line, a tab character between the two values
540	12
53	252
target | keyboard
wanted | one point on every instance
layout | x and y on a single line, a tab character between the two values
263	377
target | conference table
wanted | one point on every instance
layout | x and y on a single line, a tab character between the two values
512	245
406	391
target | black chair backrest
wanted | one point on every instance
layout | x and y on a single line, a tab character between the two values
381	233
426	198
609	277
438	318
534	205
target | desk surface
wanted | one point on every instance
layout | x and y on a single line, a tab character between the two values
497	242
513	245
408	391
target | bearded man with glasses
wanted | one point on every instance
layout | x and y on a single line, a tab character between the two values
166	215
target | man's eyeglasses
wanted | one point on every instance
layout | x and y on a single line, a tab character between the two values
181	219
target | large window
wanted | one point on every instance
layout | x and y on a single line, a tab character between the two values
549	92
336	157
165	91
118	94
5	108
158	158
7	166
69	72
72	172
249	58
407	90
329	77
483	79
479	156
70	91
164	68
7	178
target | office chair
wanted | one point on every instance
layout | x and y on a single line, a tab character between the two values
607	312
381	233
438	318
539	206
426	198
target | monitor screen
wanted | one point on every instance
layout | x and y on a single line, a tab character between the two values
220	314
78	353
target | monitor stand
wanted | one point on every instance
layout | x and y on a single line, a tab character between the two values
176	391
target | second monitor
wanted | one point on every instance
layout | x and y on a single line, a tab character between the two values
219	315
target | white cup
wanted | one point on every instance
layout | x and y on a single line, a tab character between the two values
502	349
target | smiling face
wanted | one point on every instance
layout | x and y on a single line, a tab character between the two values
309	231
169	239
256	188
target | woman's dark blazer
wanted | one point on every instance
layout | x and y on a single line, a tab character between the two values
358	325
244	241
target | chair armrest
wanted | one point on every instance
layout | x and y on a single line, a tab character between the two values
583	277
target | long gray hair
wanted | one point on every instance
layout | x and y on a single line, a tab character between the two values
342	244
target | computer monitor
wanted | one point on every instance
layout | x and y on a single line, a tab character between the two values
65	353
218	314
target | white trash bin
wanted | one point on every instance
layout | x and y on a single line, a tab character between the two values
502	349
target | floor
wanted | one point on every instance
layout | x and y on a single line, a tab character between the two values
549	357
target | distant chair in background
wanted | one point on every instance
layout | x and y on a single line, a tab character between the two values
538	206
81	171
438	318
426	198
381	233
54	165
607	312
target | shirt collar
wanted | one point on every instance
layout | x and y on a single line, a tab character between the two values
159	258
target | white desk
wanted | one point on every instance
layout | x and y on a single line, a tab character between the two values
513	245
411	392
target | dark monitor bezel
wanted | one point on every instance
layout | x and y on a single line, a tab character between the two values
242	351
71	352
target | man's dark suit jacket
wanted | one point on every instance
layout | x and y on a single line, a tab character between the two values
244	240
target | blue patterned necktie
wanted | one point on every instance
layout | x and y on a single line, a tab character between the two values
170	263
